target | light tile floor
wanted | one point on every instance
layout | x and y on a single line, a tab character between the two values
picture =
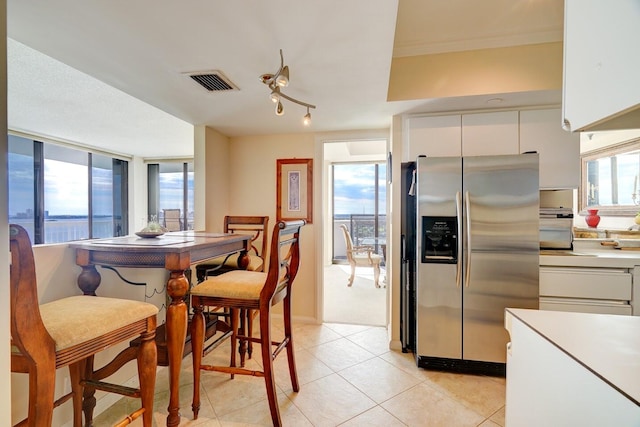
348	377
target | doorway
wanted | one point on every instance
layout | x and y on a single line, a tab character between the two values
355	174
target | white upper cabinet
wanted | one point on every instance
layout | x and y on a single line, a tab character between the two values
486	134
481	134
433	136
601	89
559	151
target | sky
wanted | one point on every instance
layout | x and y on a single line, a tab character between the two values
66	187
354	188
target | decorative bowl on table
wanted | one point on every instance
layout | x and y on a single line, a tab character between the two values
149	234
153	229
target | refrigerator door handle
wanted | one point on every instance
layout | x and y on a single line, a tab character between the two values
459	222
467	203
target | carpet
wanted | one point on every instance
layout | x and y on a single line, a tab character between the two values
360	304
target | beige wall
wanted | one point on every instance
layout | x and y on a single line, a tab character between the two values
252	186
212	188
487	71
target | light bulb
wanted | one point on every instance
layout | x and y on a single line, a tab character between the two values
275	96
307	119
279	109
282	79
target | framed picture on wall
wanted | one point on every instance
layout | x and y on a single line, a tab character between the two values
294	198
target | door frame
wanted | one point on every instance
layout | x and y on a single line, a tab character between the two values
322	180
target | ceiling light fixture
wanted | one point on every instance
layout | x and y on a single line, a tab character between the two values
278	80
307	118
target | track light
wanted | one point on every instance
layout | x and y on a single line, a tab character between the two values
281	79
307	118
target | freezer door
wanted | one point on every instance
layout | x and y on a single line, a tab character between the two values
501	232
438	284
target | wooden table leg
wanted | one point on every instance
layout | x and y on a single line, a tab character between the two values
176	328
89	280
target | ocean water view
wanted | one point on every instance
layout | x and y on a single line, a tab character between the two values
64	229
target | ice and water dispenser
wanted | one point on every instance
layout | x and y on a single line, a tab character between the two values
439	240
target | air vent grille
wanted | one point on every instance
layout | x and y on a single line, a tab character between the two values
213	81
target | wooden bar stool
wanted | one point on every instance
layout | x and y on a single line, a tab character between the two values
250	290
258	228
69	332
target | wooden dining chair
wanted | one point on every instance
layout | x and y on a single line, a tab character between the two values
69	332
251	290
255	226
361	256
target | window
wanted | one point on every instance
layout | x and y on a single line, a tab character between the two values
60	194
171	187
611	179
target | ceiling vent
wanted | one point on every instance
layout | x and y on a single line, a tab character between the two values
213	81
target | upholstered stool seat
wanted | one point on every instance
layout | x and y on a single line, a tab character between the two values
75	320
245	285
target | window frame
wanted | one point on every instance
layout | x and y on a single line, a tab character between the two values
120	210
604	152
153	189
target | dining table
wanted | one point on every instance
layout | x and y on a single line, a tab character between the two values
173	251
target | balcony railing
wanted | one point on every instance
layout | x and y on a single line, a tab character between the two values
364	229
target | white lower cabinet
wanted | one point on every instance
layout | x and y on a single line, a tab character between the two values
586	290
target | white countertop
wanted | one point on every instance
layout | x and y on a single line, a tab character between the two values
607	345
615	258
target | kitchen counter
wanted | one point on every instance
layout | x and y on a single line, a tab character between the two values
607	345
572	368
591	257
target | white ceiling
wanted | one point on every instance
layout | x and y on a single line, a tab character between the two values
111	73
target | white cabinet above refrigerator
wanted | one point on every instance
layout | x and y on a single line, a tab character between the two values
601	89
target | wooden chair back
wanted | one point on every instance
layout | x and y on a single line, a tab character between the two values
28	333
256	226
284	260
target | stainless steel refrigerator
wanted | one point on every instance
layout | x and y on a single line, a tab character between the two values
478	248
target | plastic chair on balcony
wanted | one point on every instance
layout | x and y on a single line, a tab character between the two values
69	332
361	256
250	290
